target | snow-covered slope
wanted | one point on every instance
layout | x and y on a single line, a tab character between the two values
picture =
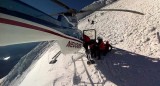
94	6
132	32
134	61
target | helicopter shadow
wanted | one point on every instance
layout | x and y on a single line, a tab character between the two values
125	68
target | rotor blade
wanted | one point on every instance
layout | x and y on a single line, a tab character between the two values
123	10
56	14
61	4
62	13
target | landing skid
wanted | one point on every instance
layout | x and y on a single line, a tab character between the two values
90	60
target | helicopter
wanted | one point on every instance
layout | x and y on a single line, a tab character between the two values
22	23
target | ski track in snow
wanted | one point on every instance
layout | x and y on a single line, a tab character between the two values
134	60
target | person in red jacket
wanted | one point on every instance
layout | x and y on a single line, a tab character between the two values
93	49
92	45
108	47
86	42
86	38
101	47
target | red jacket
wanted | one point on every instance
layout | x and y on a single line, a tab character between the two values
86	38
91	46
102	46
108	46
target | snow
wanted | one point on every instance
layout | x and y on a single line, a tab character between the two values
128	31
134	60
6	58
93	6
1	79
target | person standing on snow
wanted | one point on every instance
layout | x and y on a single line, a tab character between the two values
86	42
93	48
101	47
108	47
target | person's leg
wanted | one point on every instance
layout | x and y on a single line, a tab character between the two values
104	53
91	52
85	46
94	53
99	54
106	49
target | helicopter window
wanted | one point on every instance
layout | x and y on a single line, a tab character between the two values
21	7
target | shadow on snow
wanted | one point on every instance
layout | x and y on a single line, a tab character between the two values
125	68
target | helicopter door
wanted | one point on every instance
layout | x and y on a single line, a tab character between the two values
91	33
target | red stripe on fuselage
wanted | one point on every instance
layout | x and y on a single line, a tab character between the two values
12	22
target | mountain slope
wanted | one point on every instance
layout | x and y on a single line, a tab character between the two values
134	60
132	32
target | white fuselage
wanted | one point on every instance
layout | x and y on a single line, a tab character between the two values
15	30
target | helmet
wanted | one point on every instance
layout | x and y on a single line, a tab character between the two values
99	38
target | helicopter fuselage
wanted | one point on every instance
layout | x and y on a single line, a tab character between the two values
21	23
